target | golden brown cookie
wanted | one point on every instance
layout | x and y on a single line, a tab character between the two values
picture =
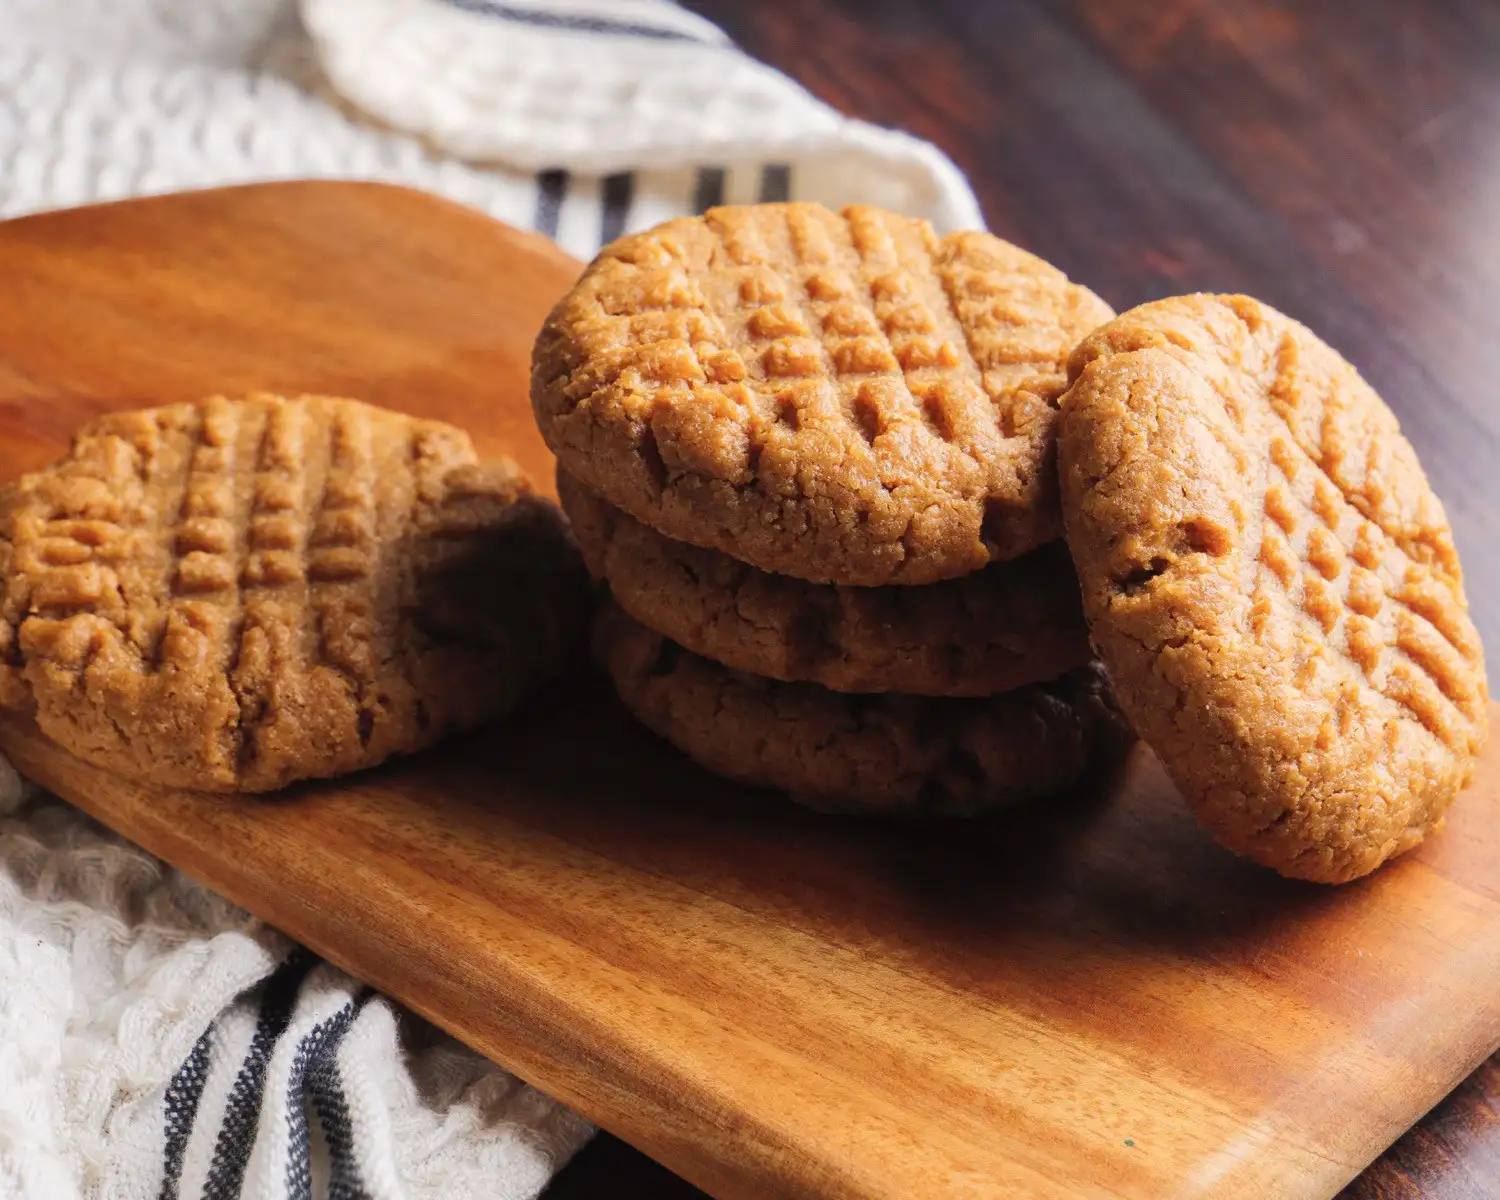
243	593
845	398
1000	628
891	753
1271	583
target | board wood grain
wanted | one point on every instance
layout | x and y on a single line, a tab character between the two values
1089	998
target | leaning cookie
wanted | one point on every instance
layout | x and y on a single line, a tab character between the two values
1271	583
1000	628
842	397
236	595
892	754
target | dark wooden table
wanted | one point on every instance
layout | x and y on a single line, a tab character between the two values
1339	159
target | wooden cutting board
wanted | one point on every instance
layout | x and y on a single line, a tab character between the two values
1087	999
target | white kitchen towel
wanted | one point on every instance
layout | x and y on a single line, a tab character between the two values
155	1042
581	118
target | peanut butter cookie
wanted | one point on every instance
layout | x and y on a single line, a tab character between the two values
845	398
235	595
1000	628
891	753
1271	583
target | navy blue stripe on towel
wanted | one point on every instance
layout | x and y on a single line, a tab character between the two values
319	1046
617	193
226	1173
775	184
326	1085
568	22
551	191
709	191
184	1093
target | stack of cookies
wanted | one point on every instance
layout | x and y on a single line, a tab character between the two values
812	457
822	462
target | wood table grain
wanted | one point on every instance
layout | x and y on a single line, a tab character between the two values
1339	159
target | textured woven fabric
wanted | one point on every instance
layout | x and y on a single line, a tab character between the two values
157	1042
582	118
154	1040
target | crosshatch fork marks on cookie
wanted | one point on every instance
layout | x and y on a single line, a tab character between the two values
1272	583
246	592
1367	560
840	397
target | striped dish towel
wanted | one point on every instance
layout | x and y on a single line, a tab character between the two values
155	1042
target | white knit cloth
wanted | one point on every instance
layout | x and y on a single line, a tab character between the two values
154	1040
